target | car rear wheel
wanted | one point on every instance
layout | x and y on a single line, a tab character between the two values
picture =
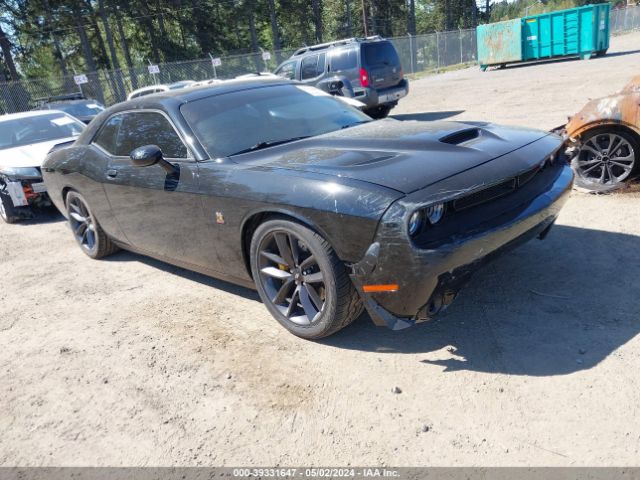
301	280
86	230
8	212
607	158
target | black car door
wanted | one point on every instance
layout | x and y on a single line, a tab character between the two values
158	212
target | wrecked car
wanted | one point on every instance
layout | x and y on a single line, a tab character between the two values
604	139
25	140
279	187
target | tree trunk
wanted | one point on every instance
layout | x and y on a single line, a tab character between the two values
254	37
124	44
411	18
316	6
348	15
121	93
88	57
275	31
56	43
84	43
5	45
365	20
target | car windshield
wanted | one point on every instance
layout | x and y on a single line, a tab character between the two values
236	122
37	129
87	109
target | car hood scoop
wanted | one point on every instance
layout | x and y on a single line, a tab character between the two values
402	155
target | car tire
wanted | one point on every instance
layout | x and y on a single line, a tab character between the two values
86	229
8	212
301	280
592	164
378	112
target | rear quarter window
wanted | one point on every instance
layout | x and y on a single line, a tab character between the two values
344	59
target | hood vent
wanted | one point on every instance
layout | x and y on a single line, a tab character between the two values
462	136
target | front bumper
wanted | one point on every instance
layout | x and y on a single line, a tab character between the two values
429	279
25	192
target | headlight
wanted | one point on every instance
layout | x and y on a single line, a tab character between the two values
415	222
20	172
434	212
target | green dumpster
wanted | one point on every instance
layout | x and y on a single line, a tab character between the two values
581	31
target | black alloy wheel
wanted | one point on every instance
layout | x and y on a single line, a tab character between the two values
86	230
301	281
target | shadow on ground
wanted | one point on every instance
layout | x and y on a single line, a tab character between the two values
42	216
427	116
563	59
124	256
548	308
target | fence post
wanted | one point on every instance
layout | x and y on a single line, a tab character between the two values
411	52
438	51
626	16
460	33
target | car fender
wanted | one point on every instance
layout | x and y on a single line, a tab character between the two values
616	110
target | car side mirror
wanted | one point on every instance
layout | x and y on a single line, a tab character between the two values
146	156
151	155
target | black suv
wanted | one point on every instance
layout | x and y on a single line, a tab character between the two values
367	69
75	104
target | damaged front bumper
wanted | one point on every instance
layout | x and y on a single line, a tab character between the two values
24	187
428	279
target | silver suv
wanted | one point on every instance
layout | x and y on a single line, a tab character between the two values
367	69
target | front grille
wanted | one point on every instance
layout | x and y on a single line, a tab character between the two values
489	207
526	176
495	191
485	195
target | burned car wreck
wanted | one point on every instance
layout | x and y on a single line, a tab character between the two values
280	187
604	139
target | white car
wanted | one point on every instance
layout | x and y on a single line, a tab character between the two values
25	140
141	92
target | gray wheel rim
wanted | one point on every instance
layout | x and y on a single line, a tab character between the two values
606	158
291	277
82	224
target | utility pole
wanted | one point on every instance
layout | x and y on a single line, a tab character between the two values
364	19
349	28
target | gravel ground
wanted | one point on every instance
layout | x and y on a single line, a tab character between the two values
130	361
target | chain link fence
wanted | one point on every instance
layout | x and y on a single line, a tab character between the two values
432	52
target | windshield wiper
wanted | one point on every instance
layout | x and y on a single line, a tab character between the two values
269	143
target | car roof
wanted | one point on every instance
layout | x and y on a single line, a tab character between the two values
32	113
344	43
71	102
186	95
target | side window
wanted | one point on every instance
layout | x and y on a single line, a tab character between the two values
287	70
322	58
148	128
309	68
108	134
344	59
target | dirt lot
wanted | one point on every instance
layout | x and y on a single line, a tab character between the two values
130	361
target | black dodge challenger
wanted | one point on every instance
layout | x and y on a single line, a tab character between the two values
278	186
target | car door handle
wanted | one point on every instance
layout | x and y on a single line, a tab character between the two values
112	173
